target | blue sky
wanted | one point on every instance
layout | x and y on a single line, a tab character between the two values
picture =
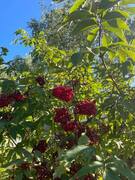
15	14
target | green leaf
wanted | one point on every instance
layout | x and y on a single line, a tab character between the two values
117	31
71	154
2	124
76	5
79	14
131	10
122	25
115	14
83	140
105	4
15	162
84	25
126	2
130	54
92	168
8	86
19	176
26	153
59	171
91	37
104	40
110	175
123	169
76	58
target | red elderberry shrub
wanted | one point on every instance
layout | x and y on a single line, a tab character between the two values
89	177
42	146
85	108
40	80
61	115
74	168
5	100
64	93
92	135
70	126
18	96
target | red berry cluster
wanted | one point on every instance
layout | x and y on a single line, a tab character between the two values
74	168
41	147
85	108
61	115
25	166
64	93
40	80
92	135
70	126
89	177
17	96
6	100
43	172
70	143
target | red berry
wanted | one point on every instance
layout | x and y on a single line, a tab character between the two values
89	177
57	178
18	96
42	146
70	143
5	100
79	130
61	115
63	93
92	135
74	168
70	126
25	166
43	173
40	80
85	108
